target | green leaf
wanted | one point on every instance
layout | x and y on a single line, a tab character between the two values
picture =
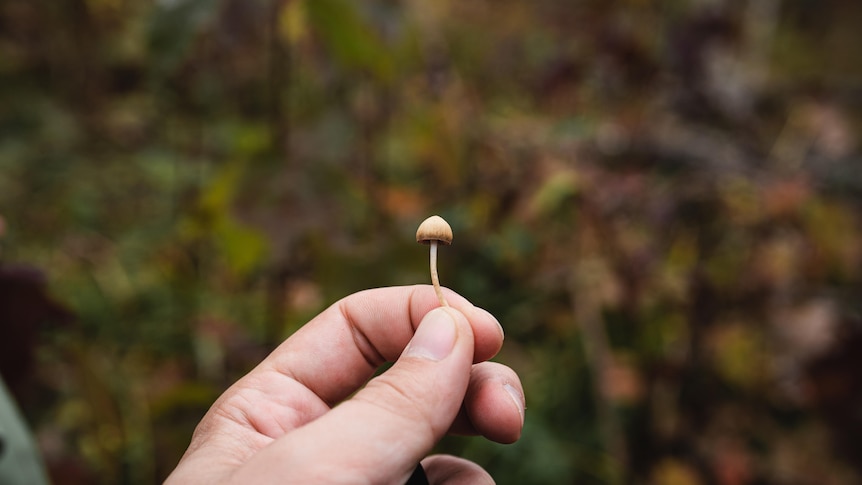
554	192
242	247
350	40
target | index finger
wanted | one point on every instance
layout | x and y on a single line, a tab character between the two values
339	350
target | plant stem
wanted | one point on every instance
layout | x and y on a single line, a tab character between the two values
434	278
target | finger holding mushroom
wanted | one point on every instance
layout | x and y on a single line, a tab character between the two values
434	231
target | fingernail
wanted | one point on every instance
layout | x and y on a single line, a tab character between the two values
492	317
518	398
435	337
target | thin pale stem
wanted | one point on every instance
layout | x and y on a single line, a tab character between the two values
434	278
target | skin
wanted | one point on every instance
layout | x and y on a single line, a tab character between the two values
311	412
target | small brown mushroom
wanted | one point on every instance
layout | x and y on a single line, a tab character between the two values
432	231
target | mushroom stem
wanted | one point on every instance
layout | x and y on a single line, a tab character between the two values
434	278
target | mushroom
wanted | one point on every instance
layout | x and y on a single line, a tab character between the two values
432	231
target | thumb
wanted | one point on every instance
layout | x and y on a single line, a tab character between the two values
387	427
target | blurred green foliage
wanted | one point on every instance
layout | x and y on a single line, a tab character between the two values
659	200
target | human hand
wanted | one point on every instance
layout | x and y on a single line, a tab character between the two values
290	420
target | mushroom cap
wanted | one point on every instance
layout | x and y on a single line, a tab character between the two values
435	228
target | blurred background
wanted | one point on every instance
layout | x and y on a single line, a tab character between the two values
660	200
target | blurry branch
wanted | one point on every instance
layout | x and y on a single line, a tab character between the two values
104	415
584	291
278	82
704	149
789	149
598	355
761	21
279	121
